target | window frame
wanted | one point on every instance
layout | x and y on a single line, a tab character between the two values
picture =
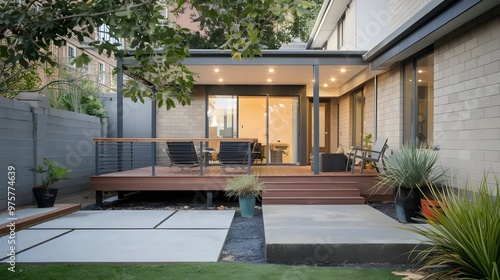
71	57
341	32
101	72
410	100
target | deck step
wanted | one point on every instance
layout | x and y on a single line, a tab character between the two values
309	185
57	211
312	192
340	192
313	200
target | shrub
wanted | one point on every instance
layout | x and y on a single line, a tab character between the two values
465	238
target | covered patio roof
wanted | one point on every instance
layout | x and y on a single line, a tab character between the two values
276	67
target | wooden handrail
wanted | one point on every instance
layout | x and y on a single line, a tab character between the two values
149	140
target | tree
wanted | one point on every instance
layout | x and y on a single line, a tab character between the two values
272	34
28	28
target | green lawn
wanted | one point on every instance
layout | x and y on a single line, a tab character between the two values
191	271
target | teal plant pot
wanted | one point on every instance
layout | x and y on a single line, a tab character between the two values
247	205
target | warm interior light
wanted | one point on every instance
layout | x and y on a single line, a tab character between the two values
325	85
269	80
221	80
271	70
420	71
332	79
342	70
216	70
419	81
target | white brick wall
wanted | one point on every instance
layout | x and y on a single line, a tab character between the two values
369	113
402	10
467	98
390	107
345	130
181	122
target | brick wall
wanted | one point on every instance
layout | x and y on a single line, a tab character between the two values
467	97
181	122
345	130
402	10
390	107
369	113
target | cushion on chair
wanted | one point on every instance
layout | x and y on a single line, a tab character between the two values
332	162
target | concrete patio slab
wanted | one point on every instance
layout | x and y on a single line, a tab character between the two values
27	238
129	246
126	219
199	219
335	234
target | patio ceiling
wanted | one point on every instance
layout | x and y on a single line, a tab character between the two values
330	75
276	67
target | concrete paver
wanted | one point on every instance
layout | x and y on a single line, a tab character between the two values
25	239
124	236
93	219
129	246
199	219
337	234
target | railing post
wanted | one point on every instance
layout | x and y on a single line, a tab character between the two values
249	153
96	158
153	158
201	158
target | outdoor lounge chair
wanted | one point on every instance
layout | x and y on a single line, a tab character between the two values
375	155
233	155
183	154
257	153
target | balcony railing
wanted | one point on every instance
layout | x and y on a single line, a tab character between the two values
124	154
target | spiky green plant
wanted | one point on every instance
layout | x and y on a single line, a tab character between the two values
244	185
464	238
409	168
54	173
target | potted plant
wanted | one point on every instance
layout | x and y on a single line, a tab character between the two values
431	201
367	141
409	171
44	194
247	188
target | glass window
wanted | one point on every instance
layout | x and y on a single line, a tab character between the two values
102	71
340	32
358	118
71	56
418	96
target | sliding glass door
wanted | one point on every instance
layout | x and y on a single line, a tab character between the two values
272	120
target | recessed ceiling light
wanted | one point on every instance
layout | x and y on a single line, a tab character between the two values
332	79
269	80
419	81
325	85
221	80
420	71
271	70
342	70
216	70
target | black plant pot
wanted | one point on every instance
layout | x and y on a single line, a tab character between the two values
45	198
407	202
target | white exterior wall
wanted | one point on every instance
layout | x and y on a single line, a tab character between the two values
181	122
467	98
350	28
402	10
345	133
369	113
390	108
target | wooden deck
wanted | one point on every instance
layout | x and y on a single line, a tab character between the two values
299	181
